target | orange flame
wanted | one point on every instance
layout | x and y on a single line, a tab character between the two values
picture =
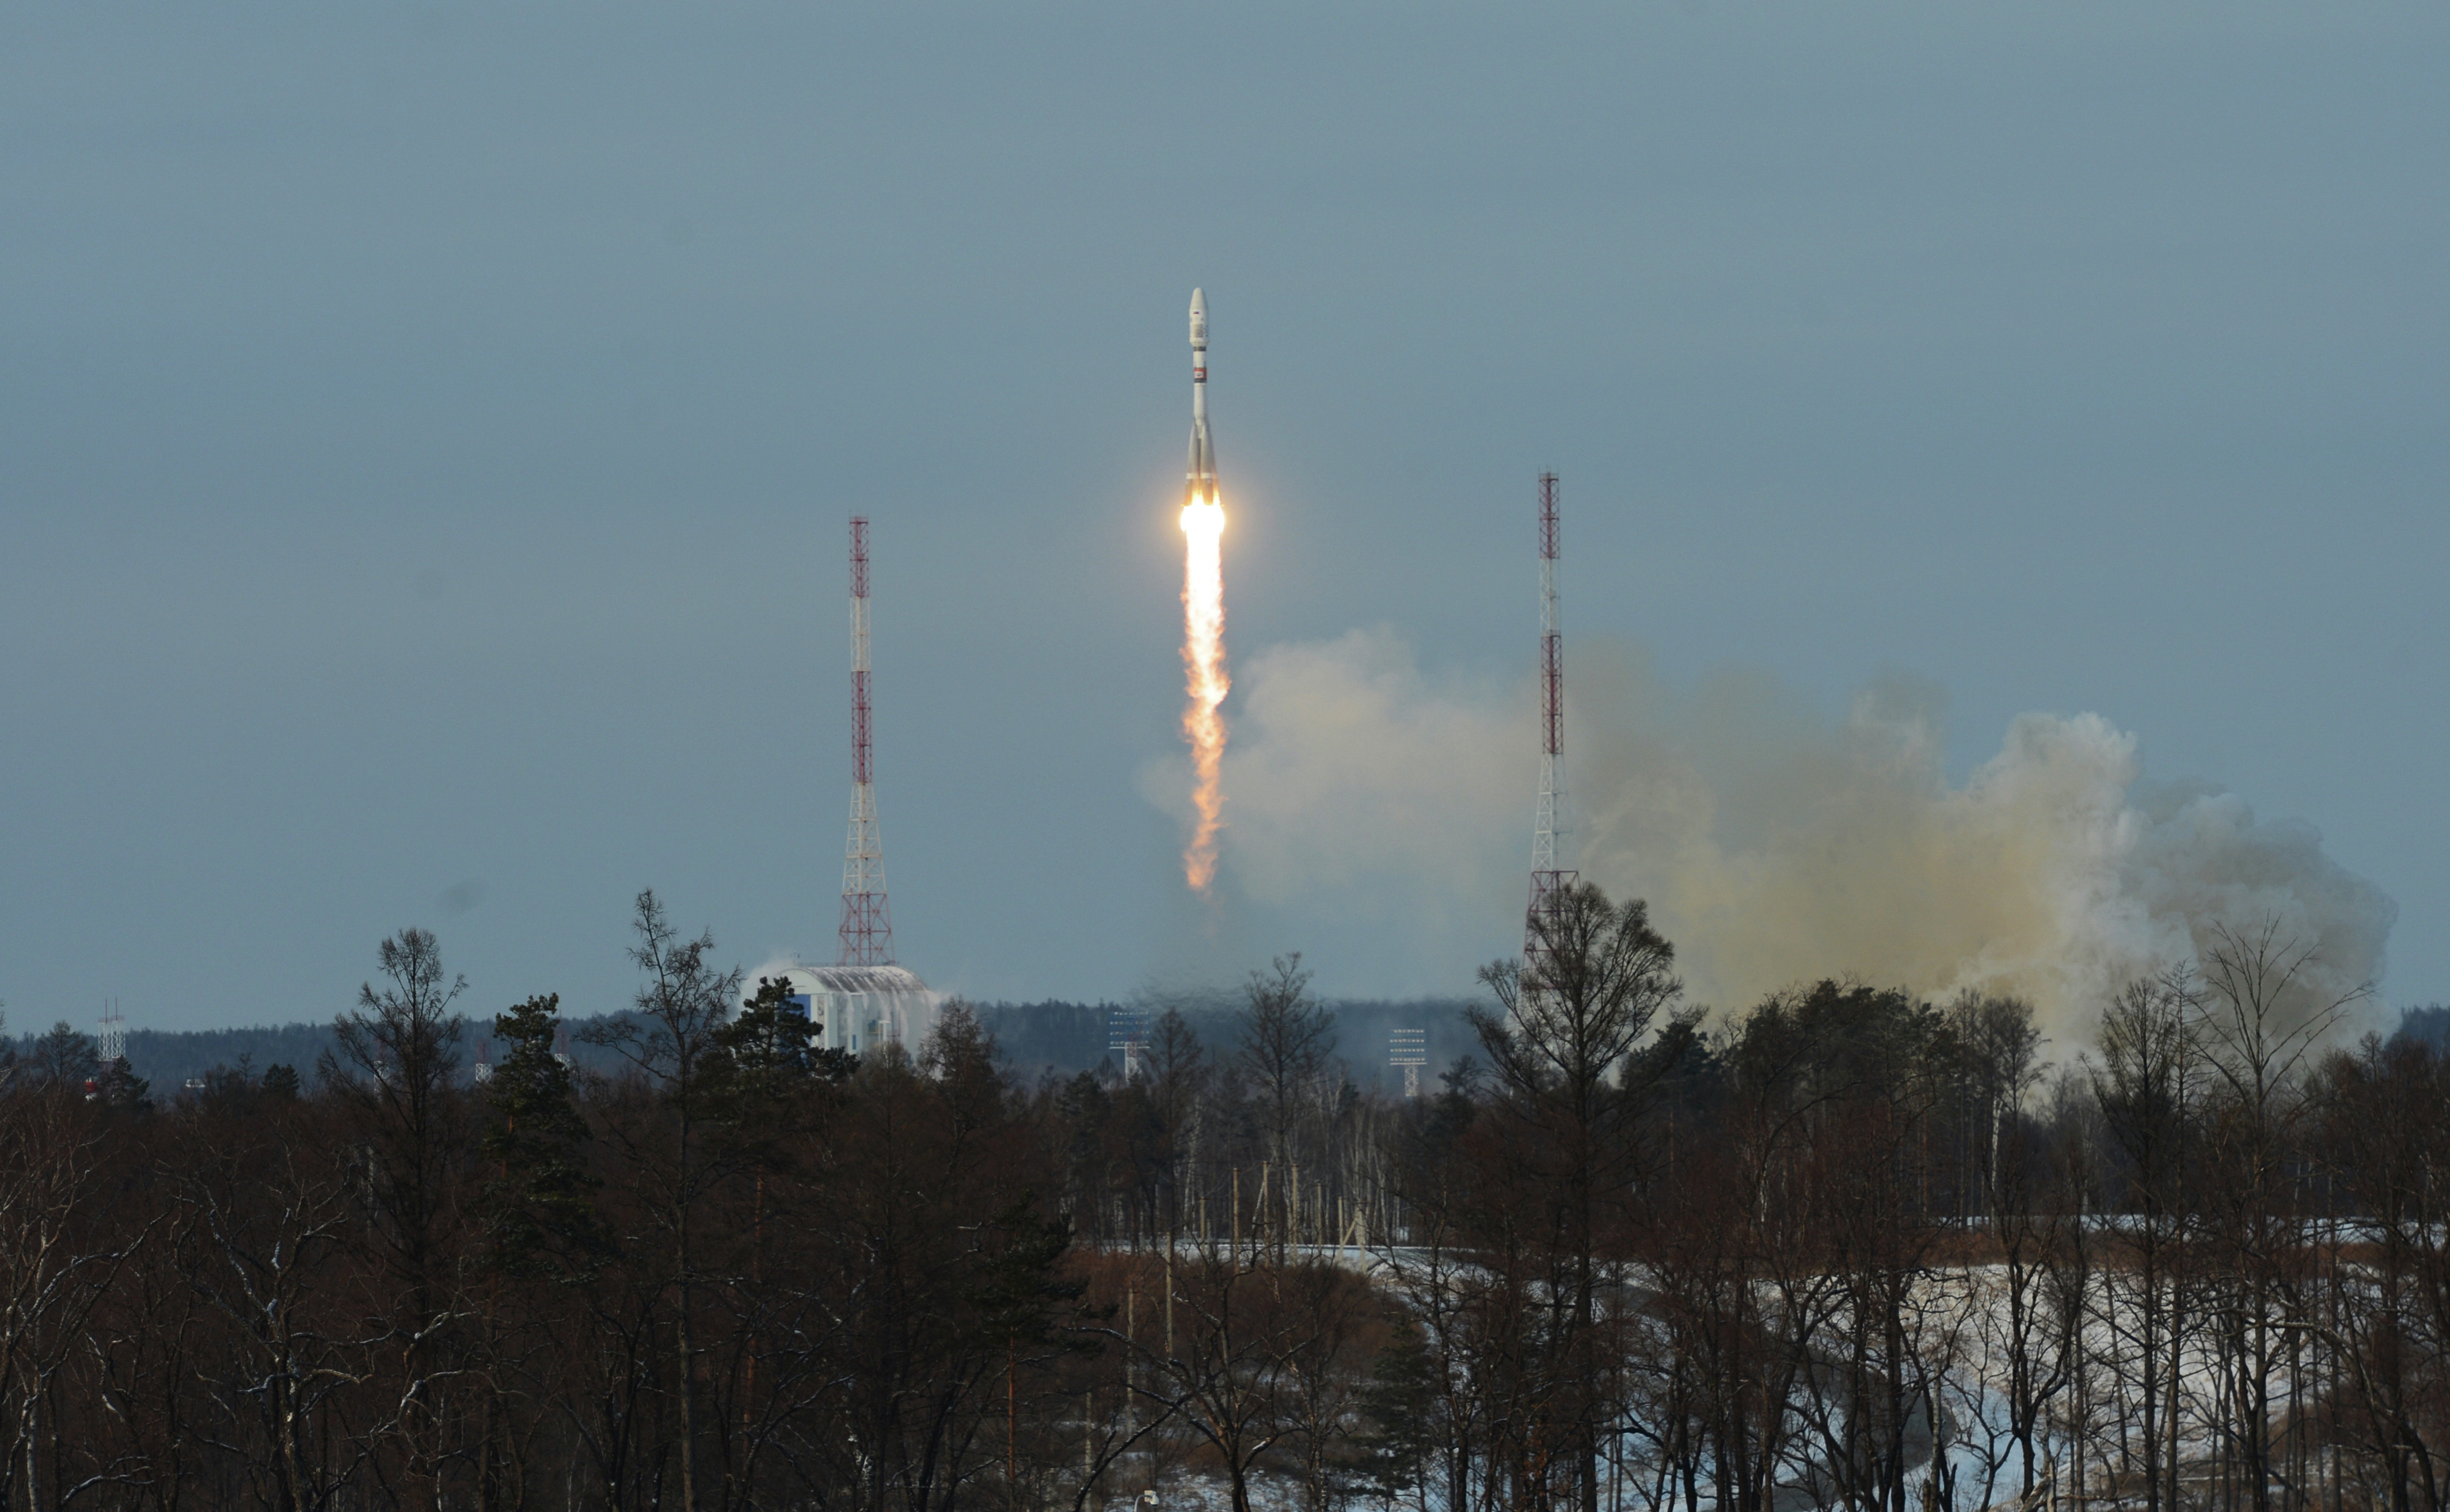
1203	659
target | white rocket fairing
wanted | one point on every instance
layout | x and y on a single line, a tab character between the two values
1199	482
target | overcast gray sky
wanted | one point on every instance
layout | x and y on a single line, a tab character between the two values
426	435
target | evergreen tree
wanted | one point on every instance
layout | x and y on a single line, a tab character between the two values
765	1055
1399	1411
540	1198
64	1058
119	1086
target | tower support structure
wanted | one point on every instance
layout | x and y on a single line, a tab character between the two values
1127	1034
1551	877
1409	1049
110	1044
866	933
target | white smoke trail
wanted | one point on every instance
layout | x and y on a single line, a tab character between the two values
1774	845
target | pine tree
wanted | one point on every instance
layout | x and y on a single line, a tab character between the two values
539	1200
1399	1411
64	1058
119	1086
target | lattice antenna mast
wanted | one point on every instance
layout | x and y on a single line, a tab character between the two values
866	925
111	1046
1549	880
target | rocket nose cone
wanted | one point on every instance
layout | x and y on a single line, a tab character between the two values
1199	302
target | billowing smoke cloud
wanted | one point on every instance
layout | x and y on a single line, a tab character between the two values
1775	844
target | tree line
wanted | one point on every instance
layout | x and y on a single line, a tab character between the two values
1845	1247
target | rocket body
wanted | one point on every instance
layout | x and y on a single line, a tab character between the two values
1199	479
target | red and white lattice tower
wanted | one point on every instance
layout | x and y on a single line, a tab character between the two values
1549	880
867	926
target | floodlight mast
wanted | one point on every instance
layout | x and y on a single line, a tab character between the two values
1127	1034
110	1044
1410	1050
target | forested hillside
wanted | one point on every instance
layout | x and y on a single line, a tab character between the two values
1842	1249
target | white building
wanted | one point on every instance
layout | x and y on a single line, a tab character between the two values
862	1009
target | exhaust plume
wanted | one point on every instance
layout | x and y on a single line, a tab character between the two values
1203	660
1774	845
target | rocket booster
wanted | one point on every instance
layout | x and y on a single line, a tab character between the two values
1199	482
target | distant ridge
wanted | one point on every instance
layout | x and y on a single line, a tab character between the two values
1036	1040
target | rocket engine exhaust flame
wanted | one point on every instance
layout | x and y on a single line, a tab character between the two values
1203	660
1203	618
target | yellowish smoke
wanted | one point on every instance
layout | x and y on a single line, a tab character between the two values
1203	660
1775	844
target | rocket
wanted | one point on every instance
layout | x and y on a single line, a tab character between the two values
1199	482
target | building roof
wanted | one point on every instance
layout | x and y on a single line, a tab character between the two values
852	980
